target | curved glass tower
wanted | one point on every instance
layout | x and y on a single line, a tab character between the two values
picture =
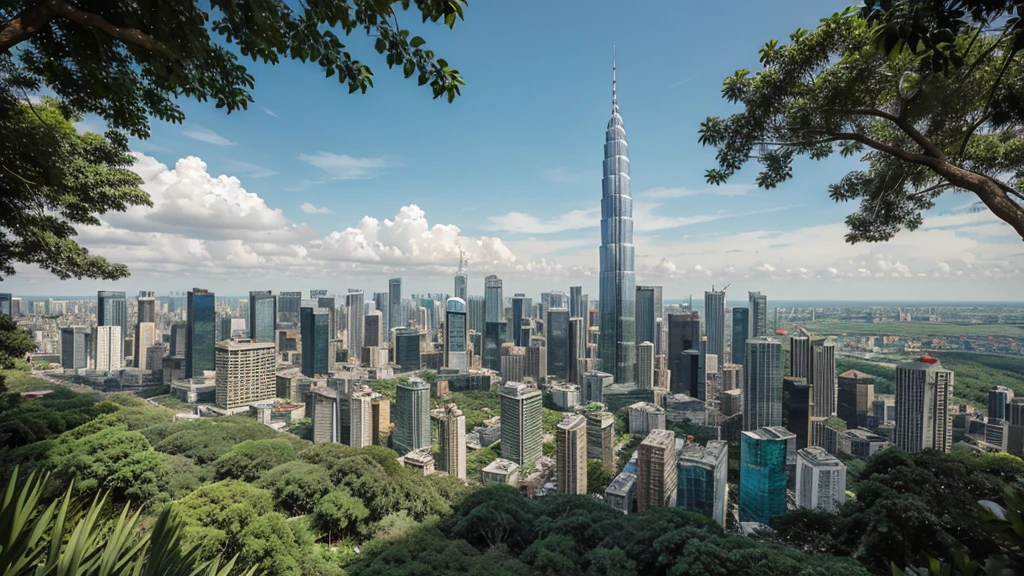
617	345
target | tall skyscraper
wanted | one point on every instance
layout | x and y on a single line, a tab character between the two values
823	378
145	330
577	349
373	329
758	315
360	418
451	440
6	302
179	331
407	349
998	398
461	280
455	336
796	409
558	343
245	373
109	357
617	296
314	331
521	432
762	379
395	316
112	310
288	305
924	392
820	480
702	476
856	393
494	336
412	416
571	454
75	342
656	473
601	435
714	320
329	304
146	304
200	337
494	302
519	312
645	365
740	328
646	318
262	316
764	457
683	335
477	307
577	303
355	305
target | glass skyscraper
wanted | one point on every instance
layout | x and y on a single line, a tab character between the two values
764	463
762	384
740	318
714	321
758	315
201	333
558	343
617	296
494	303
314	324
395	319
645	315
518	312
455	335
262	316
112	310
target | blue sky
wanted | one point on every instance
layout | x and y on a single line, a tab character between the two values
511	173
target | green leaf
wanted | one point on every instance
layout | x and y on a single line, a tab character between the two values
416	42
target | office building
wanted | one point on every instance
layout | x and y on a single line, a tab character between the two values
315	328
500	471
322	407
800	357
740	331
856	392
998	398
689	374
354	303
621	493
683	335
373	329
112	310
861	443
109	357
645	365
179	331
519	312
571	454
262	316
75	344
477	311
644	417
520	423
201	333
565	396
758	324
762	379
578	307
461	281
451	440
823	378
732	377
601	437
245	373
656	473
820	480
380	415
594	385
154	358
456	355
7	305
796	409
558	343
646	318
617	283
924	392
360	421
764	462
407	349
396	317
494	337
145	329
494	302
714	321
412	416
702	478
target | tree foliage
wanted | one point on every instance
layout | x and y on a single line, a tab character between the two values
920	131
251	458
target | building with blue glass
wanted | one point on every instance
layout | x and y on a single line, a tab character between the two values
701	479
262	316
765	456
201	333
740	333
314	327
112	310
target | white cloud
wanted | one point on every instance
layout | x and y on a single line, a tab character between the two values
311	209
208	136
345	167
563	174
248	170
682	191
527	224
270	112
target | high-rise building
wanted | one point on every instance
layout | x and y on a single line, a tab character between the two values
200	337
644	417
521	433
109	357
154	358
998	398
823	378
112	310
702	477
594	385
740	331
714	320
262	316
6	304
762	384
75	342
558	343
477	312
314	328
395	317
683	335
412	416
179	331
646	317
145	328
322	408
519	312
360	421
451	440
800	357
407	348
758	325
764	462
856	393
571	454
689	374
796	409
577	349
645	365
578	303
820	480
656	473
461	281
617	296
456	355
354	302
924	392
732	377
373	329
288	305
494	337
380	413
245	373
494	302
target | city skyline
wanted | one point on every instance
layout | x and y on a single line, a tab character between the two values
312	206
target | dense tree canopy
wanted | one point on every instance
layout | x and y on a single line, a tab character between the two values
920	131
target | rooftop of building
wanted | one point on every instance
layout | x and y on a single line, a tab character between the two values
770	433
660	439
818	456
647	407
682	398
621	484
518	390
857	375
697	454
923	363
863	434
570	421
421	457
244	344
733	392
501	466
414	383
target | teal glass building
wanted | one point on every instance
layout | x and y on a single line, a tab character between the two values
764	456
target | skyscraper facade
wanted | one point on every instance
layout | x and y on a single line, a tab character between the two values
656	473
823	378
683	335
577	303
518	313
494	336
617	296
407	349
762	379
145	329
412	416
521	431
998	398
288	307
702	476
645	365
800	357
355	304
577	349
109	357
856	393
796	409
395	318
455	337
373	329
245	373
494	302
6	301
571	454
924	392
714	321
646	320
820	480
314	326
451	440
112	310
461	282
763	473
758	315
262	316
558	343
477	311
740	329
74	347
201	333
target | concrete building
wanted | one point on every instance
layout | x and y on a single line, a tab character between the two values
112	310
380	415
644	417
565	396
571	454
820	480
360	421
856	392
702	478
764	472
451	440
762	390
800	357
354	304
998	398
456	355
861	443
683	407
520	423
731	402
420	460
823	378
714	322
373	329
732	377
645	365
245	373
621	493
412	416
594	384
656	484
601	437
500	471
109	356
924	392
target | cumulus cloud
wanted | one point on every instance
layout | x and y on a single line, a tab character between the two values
208	136
345	167
311	209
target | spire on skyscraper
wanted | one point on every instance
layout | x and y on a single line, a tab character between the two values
615	104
